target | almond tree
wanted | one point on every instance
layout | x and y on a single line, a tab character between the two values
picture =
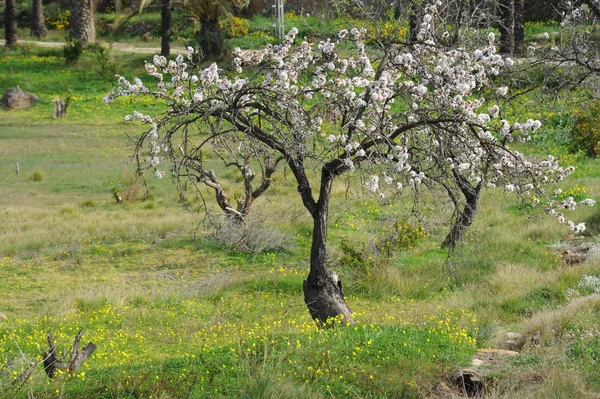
382	115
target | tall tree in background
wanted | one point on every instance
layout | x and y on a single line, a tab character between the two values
10	27
165	27
519	27
38	27
507	39
166	7
512	26
83	21
211	37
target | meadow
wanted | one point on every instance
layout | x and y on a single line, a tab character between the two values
178	309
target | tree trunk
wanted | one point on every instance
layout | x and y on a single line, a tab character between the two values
519	27
38	27
413	23
323	289
165	21
83	26
507	20
211	39
465	218
10	20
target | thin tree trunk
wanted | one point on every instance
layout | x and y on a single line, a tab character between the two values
413	23
38	27
506	27
519	27
10	20
462	223
323	292
165	20
83	25
466	217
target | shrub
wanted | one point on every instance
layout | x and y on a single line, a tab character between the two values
253	236
402	235
586	130
578	193
237	27
58	20
72	50
37	176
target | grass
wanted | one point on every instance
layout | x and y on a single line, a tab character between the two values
178	311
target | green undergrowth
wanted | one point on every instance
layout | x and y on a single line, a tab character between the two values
180	306
218	346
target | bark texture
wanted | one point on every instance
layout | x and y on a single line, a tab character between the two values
466	216
38	27
211	39
519	27
165	26
507	30
53	365
10	20
323	293
463	221
83	21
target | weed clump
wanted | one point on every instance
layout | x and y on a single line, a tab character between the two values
36	176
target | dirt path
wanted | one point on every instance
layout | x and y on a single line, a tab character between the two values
122	47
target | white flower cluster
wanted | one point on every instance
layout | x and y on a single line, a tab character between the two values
300	91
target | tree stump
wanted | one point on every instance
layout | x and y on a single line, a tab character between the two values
60	108
52	364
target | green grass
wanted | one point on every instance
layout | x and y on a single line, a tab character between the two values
178	310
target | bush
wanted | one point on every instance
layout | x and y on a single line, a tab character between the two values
253	236
585	134
237	27
578	193
36	176
72	50
402	235
57	19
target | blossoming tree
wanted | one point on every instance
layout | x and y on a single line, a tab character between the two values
396	116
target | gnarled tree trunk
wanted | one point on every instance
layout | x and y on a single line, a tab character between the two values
463	221
323	292
38	27
10	21
465	217
83	21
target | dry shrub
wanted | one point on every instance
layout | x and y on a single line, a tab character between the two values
128	189
258	233
545	326
132	190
